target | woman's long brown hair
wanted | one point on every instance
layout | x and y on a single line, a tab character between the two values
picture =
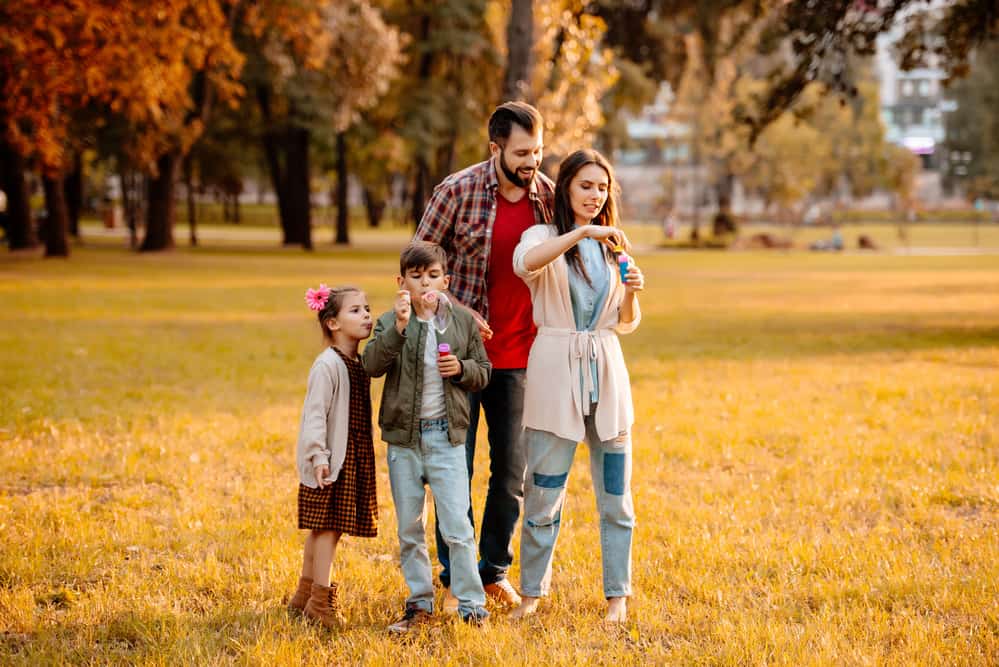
565	220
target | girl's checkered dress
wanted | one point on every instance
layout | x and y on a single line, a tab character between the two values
350	504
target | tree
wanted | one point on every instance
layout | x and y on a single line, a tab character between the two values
972	129
313	68
520	45
448	86
156	69
572	73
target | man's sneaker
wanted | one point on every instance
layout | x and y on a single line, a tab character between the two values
450	605
502	593
411	618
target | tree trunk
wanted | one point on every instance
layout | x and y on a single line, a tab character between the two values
724	223
272	154
375	205
192	211
520	41
420	188
20	230
235	208
131	202
273	142
74	195
57	217
161	210
342	230
297	174
422	174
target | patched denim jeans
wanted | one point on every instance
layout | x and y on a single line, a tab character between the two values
549	459
441	466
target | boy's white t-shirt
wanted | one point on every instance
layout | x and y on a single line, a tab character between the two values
433	406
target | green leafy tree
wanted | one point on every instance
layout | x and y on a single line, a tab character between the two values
973	128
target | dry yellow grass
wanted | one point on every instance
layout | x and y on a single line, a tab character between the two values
816	469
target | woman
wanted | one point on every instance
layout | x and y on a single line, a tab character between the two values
580	305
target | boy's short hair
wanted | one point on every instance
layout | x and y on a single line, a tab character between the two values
420	255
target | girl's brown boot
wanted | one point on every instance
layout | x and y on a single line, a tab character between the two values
322	606
296	605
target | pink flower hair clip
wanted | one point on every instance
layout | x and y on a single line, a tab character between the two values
316	298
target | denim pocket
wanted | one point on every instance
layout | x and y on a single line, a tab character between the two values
614	473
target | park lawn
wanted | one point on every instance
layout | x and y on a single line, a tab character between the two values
816	458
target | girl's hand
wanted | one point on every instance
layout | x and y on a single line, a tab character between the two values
448	365
635	281
322	472
403	308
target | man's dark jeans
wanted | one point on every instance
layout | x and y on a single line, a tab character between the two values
503	403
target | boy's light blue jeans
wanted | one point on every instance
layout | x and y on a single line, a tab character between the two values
441	466
549	458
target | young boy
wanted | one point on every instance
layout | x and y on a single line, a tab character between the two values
424	417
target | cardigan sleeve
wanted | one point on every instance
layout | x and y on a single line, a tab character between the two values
532	236
312	436
628	327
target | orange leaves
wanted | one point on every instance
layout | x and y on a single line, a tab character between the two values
138	58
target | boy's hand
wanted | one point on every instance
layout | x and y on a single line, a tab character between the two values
403	308
449	365
322	472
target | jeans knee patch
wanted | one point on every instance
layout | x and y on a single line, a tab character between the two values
550	481
614	473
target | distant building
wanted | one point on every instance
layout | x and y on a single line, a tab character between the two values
657	167
913	105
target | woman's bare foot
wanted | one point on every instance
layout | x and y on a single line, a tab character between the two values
617	610
528	606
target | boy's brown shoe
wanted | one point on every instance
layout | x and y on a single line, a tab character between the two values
297	602
411	619
322	606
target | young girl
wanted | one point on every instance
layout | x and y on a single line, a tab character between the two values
336	458
580	305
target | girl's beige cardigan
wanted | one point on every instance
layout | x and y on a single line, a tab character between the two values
555	380
322	436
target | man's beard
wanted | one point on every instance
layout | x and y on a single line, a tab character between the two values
513	176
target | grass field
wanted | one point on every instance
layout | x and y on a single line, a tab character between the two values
816	479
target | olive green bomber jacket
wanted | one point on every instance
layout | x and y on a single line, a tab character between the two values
400	358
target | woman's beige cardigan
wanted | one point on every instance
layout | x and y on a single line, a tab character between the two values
555	379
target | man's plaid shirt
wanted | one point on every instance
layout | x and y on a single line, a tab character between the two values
460	217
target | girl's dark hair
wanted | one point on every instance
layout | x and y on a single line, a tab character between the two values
333	305
565	220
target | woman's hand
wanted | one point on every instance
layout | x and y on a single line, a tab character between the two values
635	280
611	236
322	472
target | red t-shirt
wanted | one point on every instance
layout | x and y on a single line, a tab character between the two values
510	312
